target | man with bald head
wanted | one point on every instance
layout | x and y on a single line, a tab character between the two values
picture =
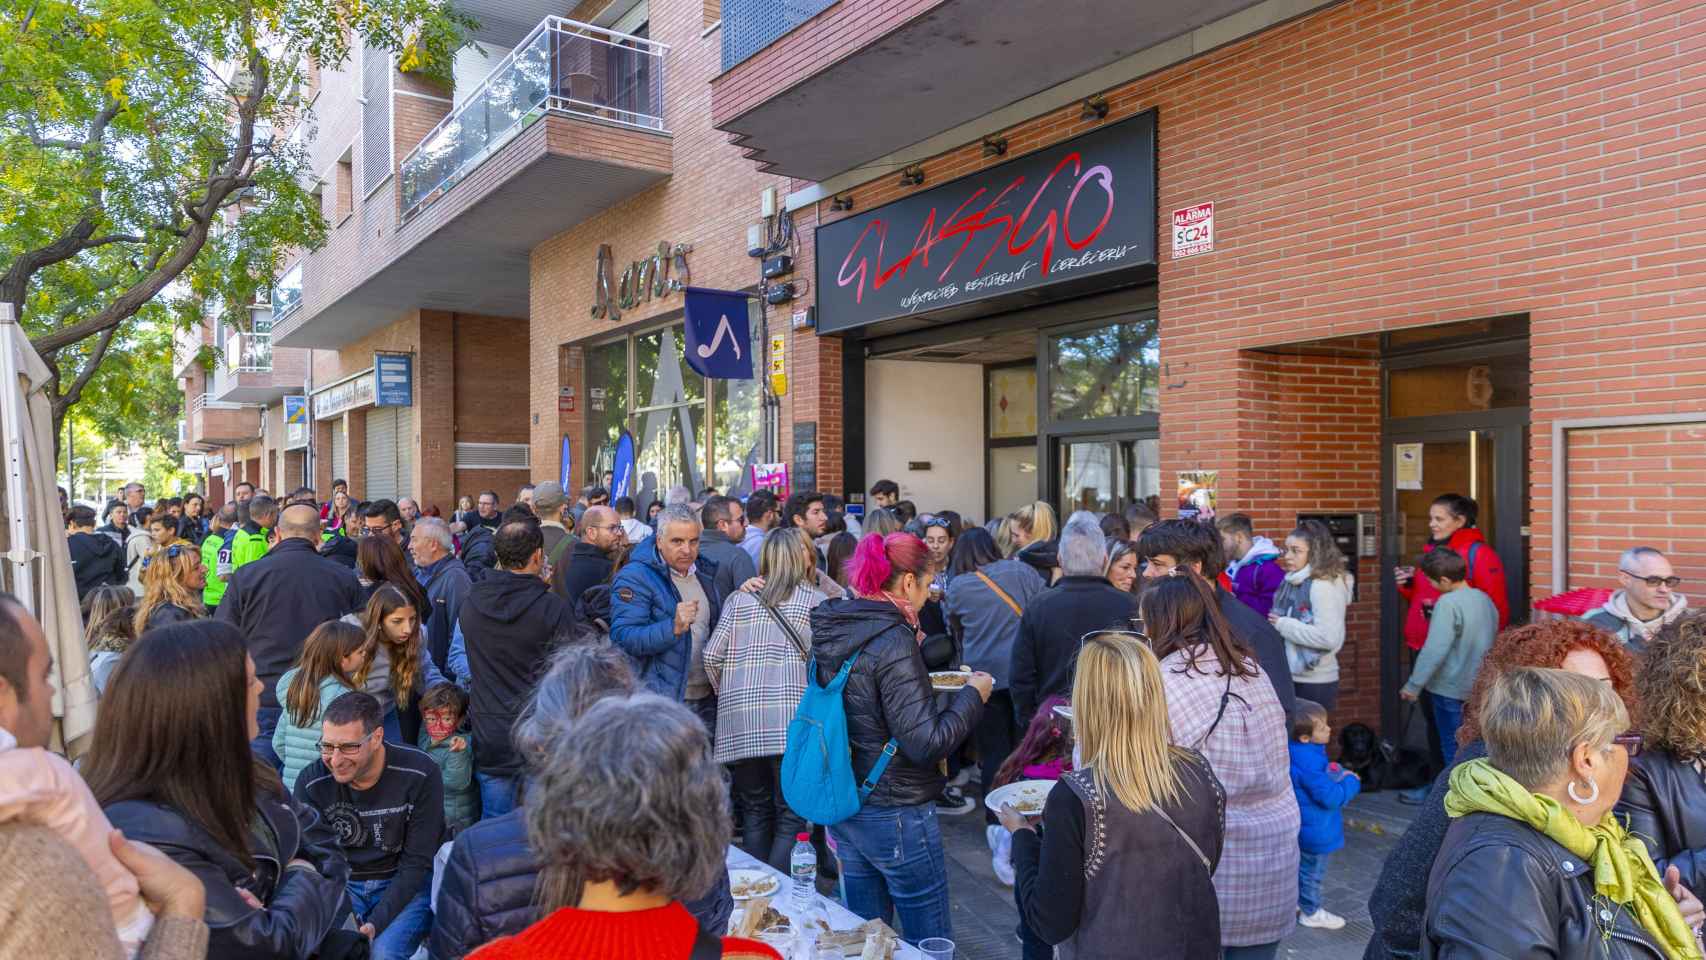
592	557
279	599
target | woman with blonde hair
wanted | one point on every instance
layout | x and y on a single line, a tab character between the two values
1535	862
110	614
756	660
1033	532
172	583
1125	866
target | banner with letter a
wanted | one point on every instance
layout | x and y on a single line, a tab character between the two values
719	341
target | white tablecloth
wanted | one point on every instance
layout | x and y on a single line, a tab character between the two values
839	917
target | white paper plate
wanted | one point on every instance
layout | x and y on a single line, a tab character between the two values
1018	791
760	883
945	674
1063	710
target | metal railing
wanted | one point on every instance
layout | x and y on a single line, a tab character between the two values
287	292
205	401
751	25
563	66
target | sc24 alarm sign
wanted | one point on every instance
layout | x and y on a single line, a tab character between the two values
1193	230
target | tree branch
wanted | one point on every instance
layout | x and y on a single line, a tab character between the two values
70	396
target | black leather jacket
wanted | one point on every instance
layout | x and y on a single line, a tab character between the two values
888	695
487	890
301	907
1665	802
1501	889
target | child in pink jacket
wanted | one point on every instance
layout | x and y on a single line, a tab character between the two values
41	788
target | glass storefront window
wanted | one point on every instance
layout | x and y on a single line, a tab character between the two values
1112	371
607	401
1491	383
661	374
737	409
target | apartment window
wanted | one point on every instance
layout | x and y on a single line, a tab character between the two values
713	12
346	186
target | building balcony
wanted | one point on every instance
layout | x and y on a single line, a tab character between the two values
251	371
213	422
568	124
812	88
186	349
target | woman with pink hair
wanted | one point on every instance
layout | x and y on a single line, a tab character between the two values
891	850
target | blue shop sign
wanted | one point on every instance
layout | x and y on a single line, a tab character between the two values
394	375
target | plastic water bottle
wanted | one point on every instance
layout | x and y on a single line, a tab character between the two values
802	866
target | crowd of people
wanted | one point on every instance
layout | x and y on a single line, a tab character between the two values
336	728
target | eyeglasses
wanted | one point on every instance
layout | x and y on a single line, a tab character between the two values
172	552
937	522
1653	582
1630	742
341	749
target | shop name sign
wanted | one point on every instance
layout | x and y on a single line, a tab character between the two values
640	282
357	391
1077	209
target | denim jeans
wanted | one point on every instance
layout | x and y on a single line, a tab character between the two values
892	860
1259	951
267	719
1448	716
497	794
1311	869
406	931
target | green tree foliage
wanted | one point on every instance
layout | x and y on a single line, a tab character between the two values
133	131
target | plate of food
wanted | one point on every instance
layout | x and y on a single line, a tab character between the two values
1026	796
949	680
746	883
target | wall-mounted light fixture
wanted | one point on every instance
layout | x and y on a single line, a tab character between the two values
842	203
994	146
1095	108
912	176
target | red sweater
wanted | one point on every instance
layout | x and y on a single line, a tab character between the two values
664	933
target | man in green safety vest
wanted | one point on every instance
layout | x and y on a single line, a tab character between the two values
216	554
250	542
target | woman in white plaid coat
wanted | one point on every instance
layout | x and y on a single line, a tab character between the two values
1220	703
756	660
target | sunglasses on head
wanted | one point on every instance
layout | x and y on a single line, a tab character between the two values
172	552
937	522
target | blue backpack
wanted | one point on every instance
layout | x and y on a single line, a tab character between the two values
817	763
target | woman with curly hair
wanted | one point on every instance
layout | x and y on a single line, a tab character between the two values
1400	896
1665	797
172	583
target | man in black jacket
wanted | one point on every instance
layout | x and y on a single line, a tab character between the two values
1176	545
507	624
279	599
385	802
724	521
1051	629
95	559
590	560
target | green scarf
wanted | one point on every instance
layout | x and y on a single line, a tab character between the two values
1623	872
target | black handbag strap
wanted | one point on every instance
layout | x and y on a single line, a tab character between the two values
706	947
788	628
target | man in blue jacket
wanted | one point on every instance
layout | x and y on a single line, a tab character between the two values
663	606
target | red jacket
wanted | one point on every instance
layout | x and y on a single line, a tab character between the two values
1486	574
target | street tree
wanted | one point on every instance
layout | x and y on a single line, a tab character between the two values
132	131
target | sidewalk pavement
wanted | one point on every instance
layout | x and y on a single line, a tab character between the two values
984	914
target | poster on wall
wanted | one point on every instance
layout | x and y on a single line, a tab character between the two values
622	470
1196	494
805	455
1407	466
771	476
1193	230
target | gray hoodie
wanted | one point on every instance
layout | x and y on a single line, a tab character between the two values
1614	618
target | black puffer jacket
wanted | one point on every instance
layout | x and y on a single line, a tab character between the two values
488	885
888	695
1665	800
301	908
1500	888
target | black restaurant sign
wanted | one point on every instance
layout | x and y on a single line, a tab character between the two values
1077	209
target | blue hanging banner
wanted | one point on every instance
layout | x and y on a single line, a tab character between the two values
563	474
622	484
719	341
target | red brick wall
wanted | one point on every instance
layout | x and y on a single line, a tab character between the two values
708	201
491	396
1636	486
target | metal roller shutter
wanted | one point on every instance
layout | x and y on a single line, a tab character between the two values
381	454
340	453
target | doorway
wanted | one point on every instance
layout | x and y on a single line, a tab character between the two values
1106	474
1456	421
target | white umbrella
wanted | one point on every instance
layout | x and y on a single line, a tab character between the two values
36	565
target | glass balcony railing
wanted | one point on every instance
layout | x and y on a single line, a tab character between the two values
563	66
250	352
287	292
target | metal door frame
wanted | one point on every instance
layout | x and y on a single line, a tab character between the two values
1509	429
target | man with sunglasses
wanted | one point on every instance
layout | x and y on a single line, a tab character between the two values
1647	601
385	802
